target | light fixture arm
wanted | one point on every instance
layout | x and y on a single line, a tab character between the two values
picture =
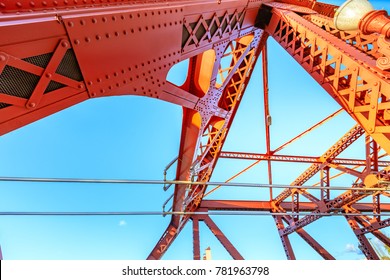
383	62
376	21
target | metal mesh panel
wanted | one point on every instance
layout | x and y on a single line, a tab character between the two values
69	66
53	86
41	60
17	82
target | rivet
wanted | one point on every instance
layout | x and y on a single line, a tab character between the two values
32	105
376	83
98	37
2	5
70	24
87	40
18	4
76	42
102	91
94	20
373	107
82	22
32	4
90	83
81	86
93	94
48	75
3	58
65	44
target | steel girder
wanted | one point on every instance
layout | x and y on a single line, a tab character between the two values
106	49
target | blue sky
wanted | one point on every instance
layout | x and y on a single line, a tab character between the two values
132	137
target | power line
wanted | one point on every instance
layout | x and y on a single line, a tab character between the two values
160	213
177	182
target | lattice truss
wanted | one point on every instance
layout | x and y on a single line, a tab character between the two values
72	60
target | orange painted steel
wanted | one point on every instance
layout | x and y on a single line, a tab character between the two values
55	54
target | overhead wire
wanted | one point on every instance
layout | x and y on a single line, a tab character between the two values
160	213
180	182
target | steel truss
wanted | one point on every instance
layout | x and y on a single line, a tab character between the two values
72	60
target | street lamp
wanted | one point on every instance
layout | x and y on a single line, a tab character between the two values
360	15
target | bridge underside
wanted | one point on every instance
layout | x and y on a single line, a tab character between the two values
109	49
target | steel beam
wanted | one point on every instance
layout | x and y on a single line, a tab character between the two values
222	238
292	158
196	240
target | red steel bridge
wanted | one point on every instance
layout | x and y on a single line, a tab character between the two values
57	53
